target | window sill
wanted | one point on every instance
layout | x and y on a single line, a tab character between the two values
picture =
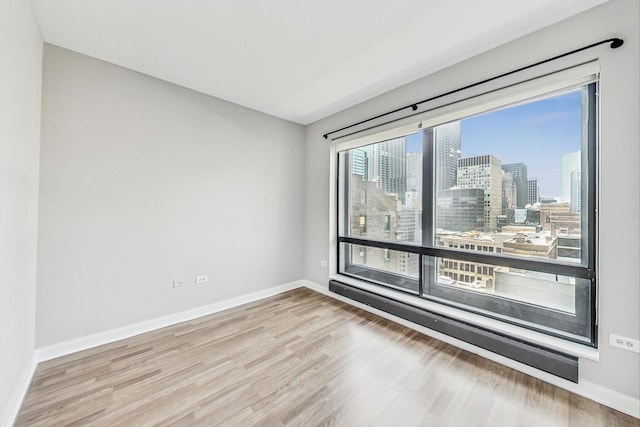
476	319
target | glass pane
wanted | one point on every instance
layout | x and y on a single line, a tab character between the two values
510	181
392	268
546	302
385	190
540	289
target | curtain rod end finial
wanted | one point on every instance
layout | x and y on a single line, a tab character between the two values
325	136
616	43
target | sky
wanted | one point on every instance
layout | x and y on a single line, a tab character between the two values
536	134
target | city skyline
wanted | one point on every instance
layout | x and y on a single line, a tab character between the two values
553	126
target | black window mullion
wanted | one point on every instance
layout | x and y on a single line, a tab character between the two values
427	187
338	193
476	257
421	275
427	274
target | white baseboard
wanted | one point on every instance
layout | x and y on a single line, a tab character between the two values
611	398
106	337
8	418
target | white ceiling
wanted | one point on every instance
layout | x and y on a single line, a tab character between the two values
300	60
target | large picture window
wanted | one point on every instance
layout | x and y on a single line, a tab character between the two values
493	212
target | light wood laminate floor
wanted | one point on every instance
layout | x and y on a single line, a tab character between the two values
299	358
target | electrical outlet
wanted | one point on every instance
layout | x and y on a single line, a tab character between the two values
624	342
323	263
202	279
178	283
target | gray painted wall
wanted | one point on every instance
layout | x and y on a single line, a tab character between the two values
143	182
20	82
619	281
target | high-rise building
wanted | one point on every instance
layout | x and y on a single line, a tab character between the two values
484	172
413	198
408	230
576	191
374	215
534	191
509	192
460	209
373	212
377	215
519	173
386	165
447	152
359	161
570	164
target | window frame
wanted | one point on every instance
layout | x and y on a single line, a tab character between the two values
584	321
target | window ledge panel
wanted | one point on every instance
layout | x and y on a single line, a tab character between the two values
514	331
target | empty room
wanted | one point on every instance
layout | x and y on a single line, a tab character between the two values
410	213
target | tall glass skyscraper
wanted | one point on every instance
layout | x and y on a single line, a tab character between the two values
570	165
519	173
448	152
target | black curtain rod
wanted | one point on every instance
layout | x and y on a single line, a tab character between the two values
615	43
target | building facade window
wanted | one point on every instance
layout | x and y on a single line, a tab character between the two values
363	224
387	223
447	191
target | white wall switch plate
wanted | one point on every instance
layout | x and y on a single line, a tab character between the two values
202	279
178	283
